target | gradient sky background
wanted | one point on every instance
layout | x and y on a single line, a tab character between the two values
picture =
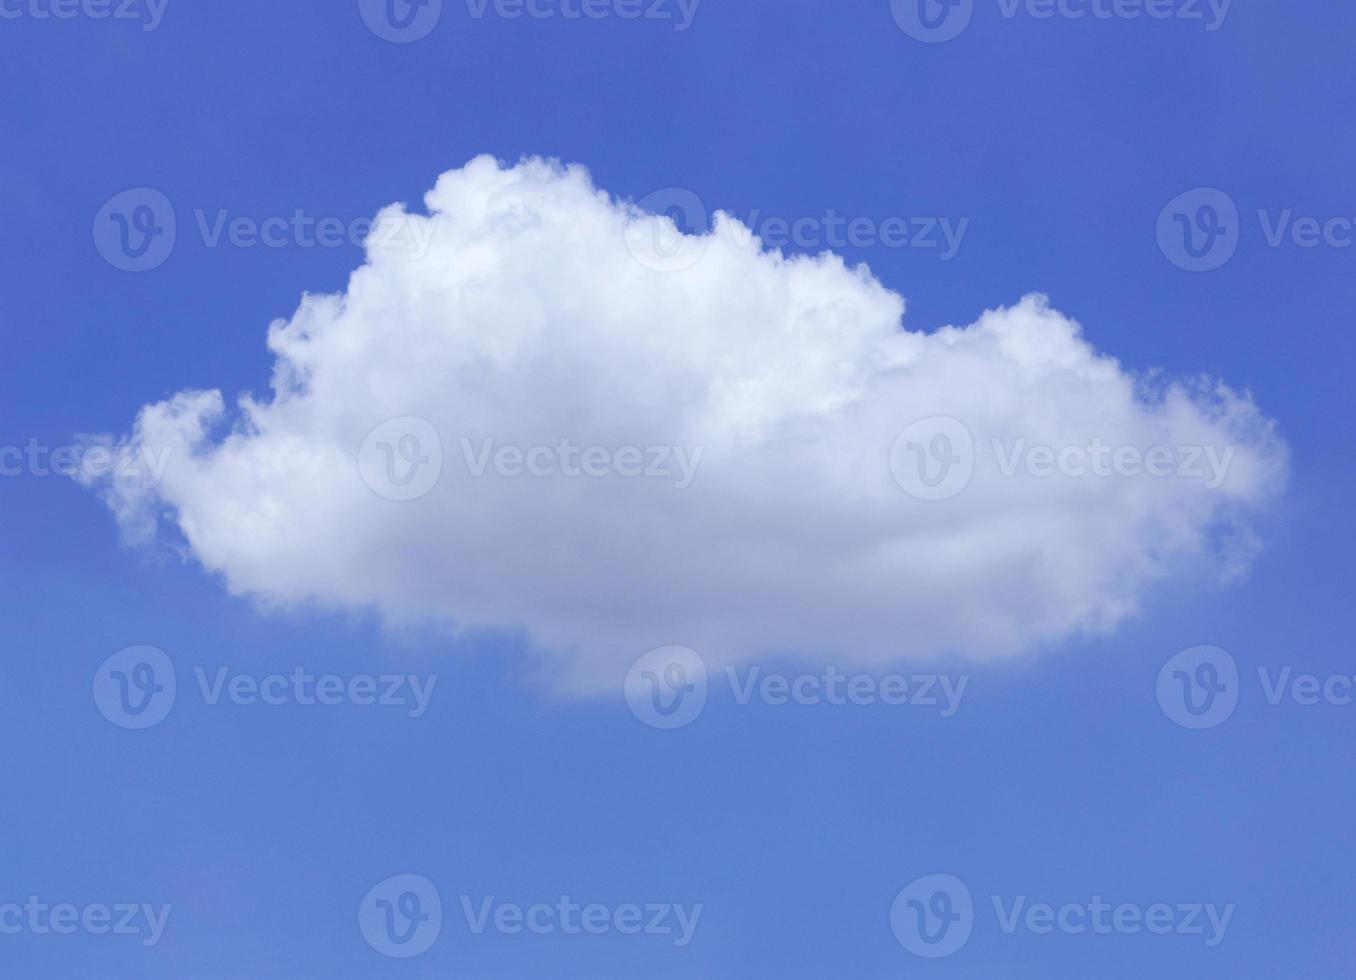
1060	778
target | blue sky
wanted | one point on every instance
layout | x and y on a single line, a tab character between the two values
1060	777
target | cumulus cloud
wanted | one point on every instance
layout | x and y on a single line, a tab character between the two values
565	419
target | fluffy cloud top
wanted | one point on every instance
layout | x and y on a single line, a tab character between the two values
642	438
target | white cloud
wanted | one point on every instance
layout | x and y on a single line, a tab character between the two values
536	316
